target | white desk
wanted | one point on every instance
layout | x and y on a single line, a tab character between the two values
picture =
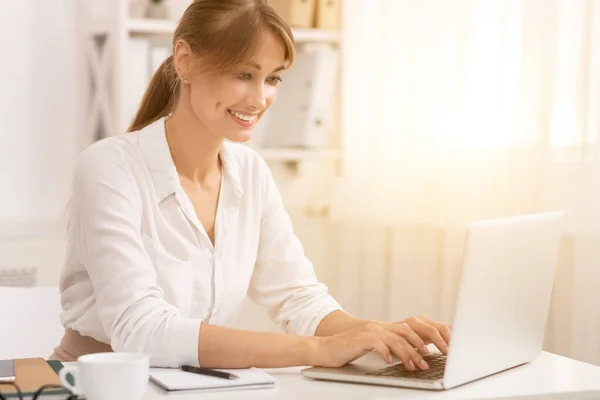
549	377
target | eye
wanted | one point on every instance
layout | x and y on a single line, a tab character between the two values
245	76
275	80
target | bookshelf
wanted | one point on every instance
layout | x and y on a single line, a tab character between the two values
163	27
106	28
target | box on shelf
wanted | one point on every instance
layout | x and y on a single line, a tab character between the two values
297	13
328	14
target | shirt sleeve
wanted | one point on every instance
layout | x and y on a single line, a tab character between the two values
106	237
284	280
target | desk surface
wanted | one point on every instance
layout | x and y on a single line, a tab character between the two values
548	377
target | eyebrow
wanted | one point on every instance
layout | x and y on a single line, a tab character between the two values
258	67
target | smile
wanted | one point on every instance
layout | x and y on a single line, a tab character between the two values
243	117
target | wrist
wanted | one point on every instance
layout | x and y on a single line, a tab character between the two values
357	323
309	350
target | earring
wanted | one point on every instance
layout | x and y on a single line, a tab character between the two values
184	80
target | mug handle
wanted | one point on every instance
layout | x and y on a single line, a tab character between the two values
62	375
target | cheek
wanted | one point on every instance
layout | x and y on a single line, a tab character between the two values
220	95
207	98
200	102
233	92
270	95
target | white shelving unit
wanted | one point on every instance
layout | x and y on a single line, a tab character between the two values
106	28
162	27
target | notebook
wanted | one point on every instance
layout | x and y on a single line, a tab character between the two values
33	373
172	379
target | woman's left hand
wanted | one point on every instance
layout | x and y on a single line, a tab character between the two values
427	330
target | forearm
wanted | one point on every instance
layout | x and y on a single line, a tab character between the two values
338	322
221	347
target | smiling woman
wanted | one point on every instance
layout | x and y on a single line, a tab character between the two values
174	223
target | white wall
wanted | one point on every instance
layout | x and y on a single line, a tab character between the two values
38	109
15	101
38	127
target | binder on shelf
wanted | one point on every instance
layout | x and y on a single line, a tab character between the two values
328	14
297	13
302	115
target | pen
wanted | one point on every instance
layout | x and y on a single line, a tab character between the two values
209	372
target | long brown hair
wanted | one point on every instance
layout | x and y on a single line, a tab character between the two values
225	34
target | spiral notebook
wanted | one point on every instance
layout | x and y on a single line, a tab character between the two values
173	380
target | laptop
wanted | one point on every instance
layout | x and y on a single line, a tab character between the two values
501	313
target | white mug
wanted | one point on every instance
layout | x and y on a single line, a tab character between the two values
108	376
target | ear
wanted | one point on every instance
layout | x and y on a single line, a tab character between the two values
182	58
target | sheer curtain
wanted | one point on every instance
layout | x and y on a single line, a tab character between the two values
457	110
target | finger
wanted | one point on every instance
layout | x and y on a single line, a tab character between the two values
446	333
404	330
426	331
444	329
405	351
400	351
380	347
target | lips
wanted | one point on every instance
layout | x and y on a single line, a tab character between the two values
242	116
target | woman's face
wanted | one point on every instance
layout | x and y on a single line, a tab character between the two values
230	105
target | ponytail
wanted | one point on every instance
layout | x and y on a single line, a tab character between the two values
159	98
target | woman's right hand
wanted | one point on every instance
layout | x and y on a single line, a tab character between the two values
340	349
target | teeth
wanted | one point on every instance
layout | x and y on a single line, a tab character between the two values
247	118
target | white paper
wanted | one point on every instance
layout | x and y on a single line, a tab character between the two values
175	379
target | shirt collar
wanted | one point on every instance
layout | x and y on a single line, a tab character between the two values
231	166
155	150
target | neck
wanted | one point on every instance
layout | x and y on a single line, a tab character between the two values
194	150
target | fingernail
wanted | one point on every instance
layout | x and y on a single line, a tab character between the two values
425	350
411	365
389	359
424	365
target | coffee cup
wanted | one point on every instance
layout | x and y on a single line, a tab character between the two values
108	376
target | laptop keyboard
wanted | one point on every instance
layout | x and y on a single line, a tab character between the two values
436	362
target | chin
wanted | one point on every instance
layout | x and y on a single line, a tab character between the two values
239	136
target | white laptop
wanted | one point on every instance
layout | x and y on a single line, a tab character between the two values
501	313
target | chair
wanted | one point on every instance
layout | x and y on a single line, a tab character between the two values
29	321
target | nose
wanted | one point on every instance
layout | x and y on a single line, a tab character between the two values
258	97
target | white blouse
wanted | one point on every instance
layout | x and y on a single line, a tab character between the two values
141	272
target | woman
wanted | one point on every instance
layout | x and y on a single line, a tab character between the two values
171	227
